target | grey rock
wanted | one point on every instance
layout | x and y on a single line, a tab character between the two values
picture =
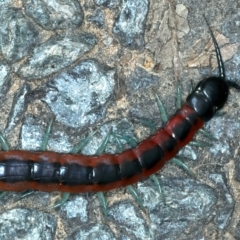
225	203
32	133
107	3
140	79
237	235
130	25
237	168
26	224
97	18
17	34
129	220
19	107
92	231
55	54
5	78
4	2
76	210
188	208
73	96
55	14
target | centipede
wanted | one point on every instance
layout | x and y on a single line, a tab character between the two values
76	173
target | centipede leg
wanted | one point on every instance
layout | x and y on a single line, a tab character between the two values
46	136
4	143
159	187
157	182
24	194
128	139
136	196
103	203
200	144
181	164
103	146
207	134
191	87
60	202
3	194
162	110
118	143
148	124
78	148
179	97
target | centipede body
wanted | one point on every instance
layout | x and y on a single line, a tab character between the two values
51	171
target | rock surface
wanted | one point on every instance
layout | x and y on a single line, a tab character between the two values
97	65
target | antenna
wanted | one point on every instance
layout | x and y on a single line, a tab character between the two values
218	53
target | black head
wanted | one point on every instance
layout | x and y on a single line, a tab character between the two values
210	94
215	89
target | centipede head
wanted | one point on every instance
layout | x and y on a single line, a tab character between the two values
215	89
209	96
